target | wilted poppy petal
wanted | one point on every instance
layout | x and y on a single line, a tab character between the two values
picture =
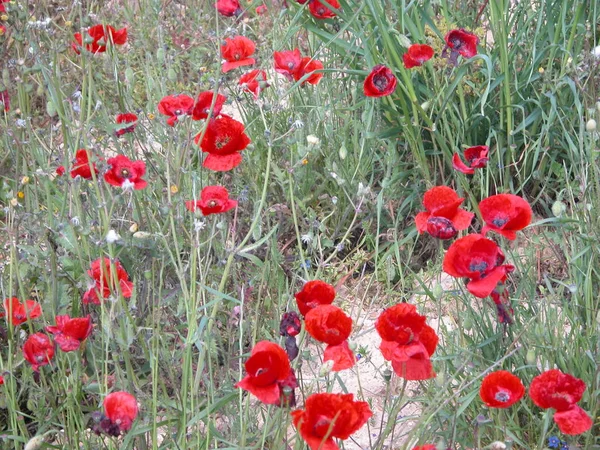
457	164
343	358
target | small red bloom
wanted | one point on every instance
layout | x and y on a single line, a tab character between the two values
555	389
343	358
500	297
213	200
69	332
287	62
121	408
83	167
2	7
501	389
573	421
1	380
128	119
254	82
236	52
463	42
21	312
5	99
38	350
416	55
60	171
261	9
228	8
328	324
425	447
321	10
223	140
101	273
328	416
380	82
2	27
477	158
204	102
313	294
442	202
505	214
176	106
309	66
101	35
290	324
126	173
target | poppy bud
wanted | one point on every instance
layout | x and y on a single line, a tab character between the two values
530	357
50	108
387	375
35	442
441	228
129	75
590	125
160	54
468	323
438	291
343	152
558	208
171	74
40	90
440	378
133	228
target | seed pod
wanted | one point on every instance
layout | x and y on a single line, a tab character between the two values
530	357
129	75
171	74
160	54
40	90
343	152
50	108
591	125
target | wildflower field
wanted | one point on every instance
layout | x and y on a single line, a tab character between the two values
300	224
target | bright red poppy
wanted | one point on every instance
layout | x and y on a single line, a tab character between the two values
261	9
443	217
573	420
83	167
287	62
342	356
505	214
38	350
121	408
477	158
5	99
313	294
1	380
417	55
407	341
425	447
268	371
463	42
2	29
237	52
326	417
126	173
309	66
128	122
254	82
204	101
223	140
2	7
101	35
60	171
228	8
213	200
175	106
321	10
328	324
20	312
69	333
104	284
380	82
479	259
501	389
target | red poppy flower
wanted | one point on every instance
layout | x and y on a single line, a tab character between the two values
175	106
121	408
425	447
573	421
380	82
101	273
60	171
320	10
555	389
328	324
21	312
313	294
290	324
505	214
5	99
204	102
254	82
477	158
328	416
463	42
128	119
223	140
268	369
126	173
501	389
416	55
261	9
38	350
228	8
236	52
213	200
287	62
1	380
83	166
479	259
309	66
101	36
443	218
2	7
69	332
343	358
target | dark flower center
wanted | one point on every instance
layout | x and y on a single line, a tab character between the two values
237	56
380	82
212	203
178	112
478	266
502	396
456	43
125	173
321	10
290	65
222	142
499	221
322	426
40	358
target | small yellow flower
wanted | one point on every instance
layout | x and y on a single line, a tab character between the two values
68	23
14	202
25	180
4	17
21	194
133	228
151	116
541	70
305	161
203	69
174	189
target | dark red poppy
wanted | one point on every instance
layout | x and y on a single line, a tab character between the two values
557	390
237	52
313	294
267	369
328	324
228	8
287	62
573	420
501	389
417	55
83	167
213	200
38	350
1	380
477	158
126	173
309	66
204	102
326	417
2	7
505	214
321	10
5	100
21	312
69	333
104	284
290	324
463	42
342	356
500	297
479	259
121	409
101	35
443	218
261	9
60	171
129	122
223	140
254	82
407	341
175	106
380	82
425	447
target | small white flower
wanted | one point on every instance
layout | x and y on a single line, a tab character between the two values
21	123
591	125
333	175
306	238
596	52
313	140
75	221
127	186
334	200
199	225
363	190
112	236
298	124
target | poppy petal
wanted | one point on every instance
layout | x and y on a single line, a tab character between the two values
457	164
222	163
573	421
484	286
341	355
